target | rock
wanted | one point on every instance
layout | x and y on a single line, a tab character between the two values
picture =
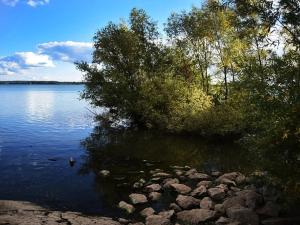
270	209
227	182
205	183
167	214
123	221
104	173
199	191
169	181
206	203
195	216
223	221
216	193
138	198
154	196
234	176
235	189
179	172
181	188
162	174
222	186
127	207
191	171
147	212
139	223
281	221
252	199
199	176
153	188
234	201
157	220
187	202
219	208
243	215
139	184
175	207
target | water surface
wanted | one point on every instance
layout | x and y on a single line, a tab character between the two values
42	126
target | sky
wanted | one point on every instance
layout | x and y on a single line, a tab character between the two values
41	39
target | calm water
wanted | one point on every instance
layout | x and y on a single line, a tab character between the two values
42	126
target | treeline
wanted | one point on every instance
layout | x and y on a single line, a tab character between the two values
230	67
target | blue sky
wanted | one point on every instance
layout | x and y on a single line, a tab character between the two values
40	39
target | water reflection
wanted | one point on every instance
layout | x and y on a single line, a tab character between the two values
131	155
39	105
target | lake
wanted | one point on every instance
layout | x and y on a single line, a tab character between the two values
42	126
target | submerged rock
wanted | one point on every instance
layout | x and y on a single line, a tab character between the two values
127	207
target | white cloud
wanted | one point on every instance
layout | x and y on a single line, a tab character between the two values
68	51
32	3
11	3
45	60
23	60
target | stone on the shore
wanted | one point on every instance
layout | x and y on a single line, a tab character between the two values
219	208
154	196
199	191
157	220
195	216
162	175
216	173
206	203
181	188
123	221
175	207
187	202
104	173
138	198
227	181
139	223
234	202
198	176
169	181
243	215
223	221
167	214
127	207
153	188
139	184
147	212
270	209
216	193
205	183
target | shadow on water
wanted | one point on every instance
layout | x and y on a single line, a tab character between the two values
131	155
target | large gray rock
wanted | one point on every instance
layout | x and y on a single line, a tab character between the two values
195	216
138	198
26	213
243	215
233	201
216	193
187	202
162	175
181	188
127	207
205	183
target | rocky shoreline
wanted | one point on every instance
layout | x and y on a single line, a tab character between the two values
194	198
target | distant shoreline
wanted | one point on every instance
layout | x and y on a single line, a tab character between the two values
39	82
